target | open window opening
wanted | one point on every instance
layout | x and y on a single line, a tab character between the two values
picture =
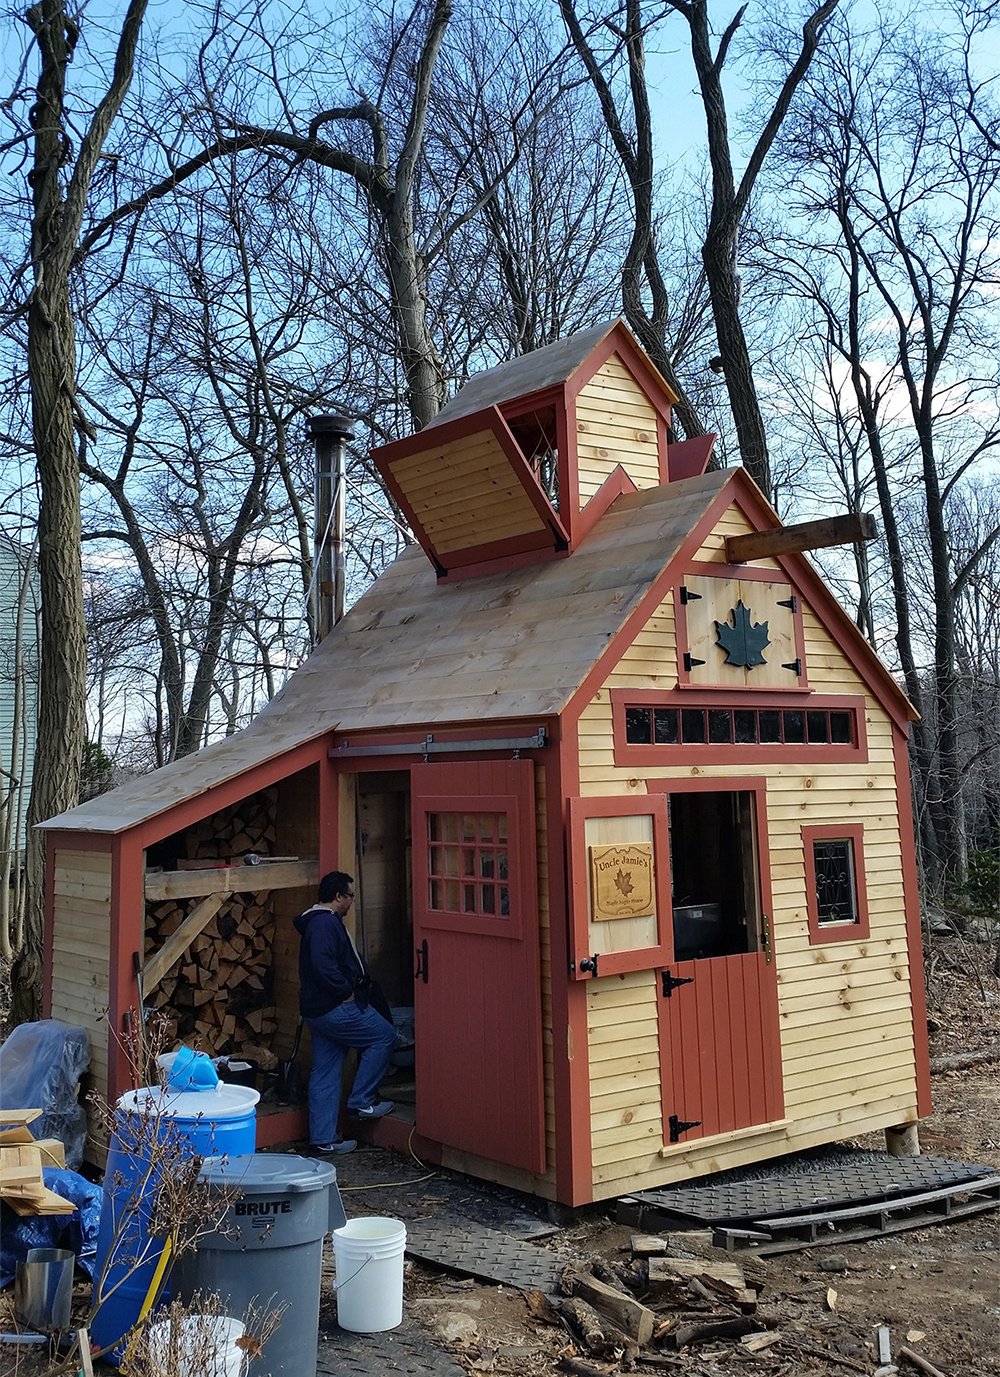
536	435
715	874
384	913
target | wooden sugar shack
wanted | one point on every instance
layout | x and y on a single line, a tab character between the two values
626	798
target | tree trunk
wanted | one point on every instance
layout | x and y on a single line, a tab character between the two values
55	226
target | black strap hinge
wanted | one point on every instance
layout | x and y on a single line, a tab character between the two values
671	982
690	661
795	666
688	595
679	1126
792	603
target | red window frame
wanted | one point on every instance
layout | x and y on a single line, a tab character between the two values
633	754
641	958
520	836
821	933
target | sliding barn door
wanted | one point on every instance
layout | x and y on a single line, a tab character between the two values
477	992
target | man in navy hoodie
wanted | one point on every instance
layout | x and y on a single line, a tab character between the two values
334	989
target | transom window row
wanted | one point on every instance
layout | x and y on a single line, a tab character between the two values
737	726
468	863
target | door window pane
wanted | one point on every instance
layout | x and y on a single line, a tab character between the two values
451	859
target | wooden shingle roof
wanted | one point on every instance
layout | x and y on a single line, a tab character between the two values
413	652
546	367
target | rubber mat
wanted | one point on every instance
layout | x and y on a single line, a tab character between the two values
405	1350
843	1185
476	1251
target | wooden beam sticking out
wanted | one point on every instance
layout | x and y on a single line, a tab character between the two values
175	946
232	879
807	535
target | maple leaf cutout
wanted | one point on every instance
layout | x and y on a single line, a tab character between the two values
744	641
623	884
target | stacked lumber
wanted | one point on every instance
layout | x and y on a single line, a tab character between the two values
219	994
22	1186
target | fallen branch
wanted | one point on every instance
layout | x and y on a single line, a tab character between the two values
958	1060
919	1362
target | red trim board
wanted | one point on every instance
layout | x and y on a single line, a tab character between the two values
914	938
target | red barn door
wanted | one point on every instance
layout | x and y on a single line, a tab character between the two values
477	992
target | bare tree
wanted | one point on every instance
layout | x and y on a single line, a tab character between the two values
900	191
60	179
730	199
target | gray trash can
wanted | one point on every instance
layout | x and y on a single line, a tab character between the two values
268	1250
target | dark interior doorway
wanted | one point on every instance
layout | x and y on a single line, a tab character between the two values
385	908
714	874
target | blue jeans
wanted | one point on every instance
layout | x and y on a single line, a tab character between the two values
333	1035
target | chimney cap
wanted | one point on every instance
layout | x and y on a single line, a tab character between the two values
332	424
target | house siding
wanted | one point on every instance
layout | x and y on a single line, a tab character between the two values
848	1058
615	424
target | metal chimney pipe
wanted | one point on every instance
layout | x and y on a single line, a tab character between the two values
330	434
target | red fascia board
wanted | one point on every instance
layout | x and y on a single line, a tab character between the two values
620	340
492	550
531	401
501	564
649	602
615	485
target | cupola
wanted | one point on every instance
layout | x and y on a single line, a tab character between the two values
528	455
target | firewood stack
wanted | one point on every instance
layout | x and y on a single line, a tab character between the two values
221	991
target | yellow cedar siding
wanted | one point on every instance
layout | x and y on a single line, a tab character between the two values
612	413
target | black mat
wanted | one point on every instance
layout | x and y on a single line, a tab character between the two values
838	1186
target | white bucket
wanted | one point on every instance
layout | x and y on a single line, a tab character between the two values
206	1347
369	1284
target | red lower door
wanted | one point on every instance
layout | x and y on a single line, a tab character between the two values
477	989
719	1048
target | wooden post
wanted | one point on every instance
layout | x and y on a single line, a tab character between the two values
807	535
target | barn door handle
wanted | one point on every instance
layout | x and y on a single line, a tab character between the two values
421	972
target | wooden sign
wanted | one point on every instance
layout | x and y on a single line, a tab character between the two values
622	881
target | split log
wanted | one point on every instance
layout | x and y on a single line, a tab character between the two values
711	1329
725	1278
635	1319
919	1362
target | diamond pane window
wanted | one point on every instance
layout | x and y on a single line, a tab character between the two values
467	859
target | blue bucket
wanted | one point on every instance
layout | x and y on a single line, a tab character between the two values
203	1123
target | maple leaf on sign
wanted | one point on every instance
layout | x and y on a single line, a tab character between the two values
623	883
744	641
